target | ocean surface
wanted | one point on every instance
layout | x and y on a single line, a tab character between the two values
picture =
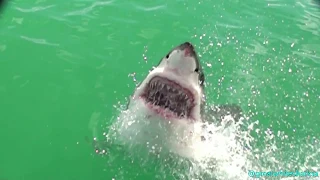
67	69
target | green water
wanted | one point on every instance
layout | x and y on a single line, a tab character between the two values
66	64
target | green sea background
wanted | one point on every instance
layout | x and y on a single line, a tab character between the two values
67	68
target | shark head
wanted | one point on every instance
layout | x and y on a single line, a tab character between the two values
174	88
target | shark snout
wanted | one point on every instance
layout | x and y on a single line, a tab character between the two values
188	49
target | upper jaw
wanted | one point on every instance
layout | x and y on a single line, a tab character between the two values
184	82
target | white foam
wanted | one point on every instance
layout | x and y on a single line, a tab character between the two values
218	155
228	152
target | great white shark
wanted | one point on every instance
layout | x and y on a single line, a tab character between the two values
168	108
175	89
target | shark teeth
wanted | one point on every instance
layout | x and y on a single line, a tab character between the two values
170	96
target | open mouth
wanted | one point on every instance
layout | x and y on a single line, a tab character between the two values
169	97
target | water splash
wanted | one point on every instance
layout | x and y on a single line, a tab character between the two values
223	154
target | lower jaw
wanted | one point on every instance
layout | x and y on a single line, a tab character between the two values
161	112
164	113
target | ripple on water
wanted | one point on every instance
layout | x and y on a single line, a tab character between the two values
310	19
39	41
256	48
87	9
34	9
149	8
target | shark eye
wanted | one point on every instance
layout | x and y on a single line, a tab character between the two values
196	70
167	56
